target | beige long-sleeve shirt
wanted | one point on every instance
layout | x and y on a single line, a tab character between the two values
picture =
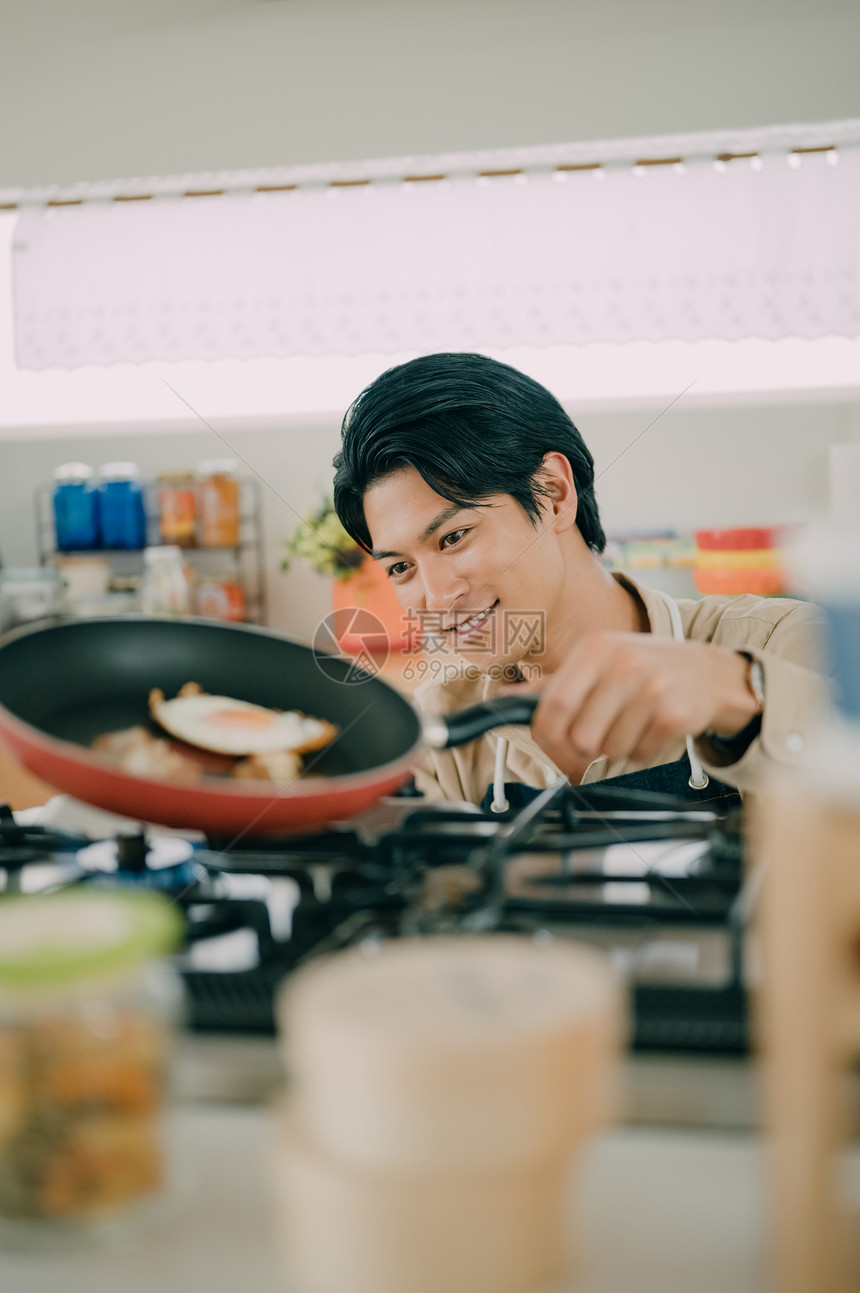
784	635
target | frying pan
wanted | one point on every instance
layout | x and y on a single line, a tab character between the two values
63	685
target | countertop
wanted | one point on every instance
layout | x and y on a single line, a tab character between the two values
667	1204
662	1211
700	1092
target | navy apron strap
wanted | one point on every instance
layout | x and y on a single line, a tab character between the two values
666	779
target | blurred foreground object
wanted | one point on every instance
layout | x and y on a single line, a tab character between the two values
84	1018
809	839
440	1090
807	829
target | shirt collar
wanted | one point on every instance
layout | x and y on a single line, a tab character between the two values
659	619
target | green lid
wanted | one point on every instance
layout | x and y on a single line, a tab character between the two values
63	939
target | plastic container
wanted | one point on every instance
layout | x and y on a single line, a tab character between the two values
743	560
27	595
85	1020
217	503
735	583
76	507
177	511
220	597
84	576
740	538
121	510
164	590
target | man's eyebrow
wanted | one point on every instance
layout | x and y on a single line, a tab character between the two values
429	530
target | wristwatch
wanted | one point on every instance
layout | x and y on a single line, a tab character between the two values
730	748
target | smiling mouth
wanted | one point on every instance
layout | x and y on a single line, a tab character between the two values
466	627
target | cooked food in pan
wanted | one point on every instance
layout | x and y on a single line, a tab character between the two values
282	766
236	727
136	750
216	736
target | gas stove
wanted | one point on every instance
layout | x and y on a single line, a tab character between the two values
658	886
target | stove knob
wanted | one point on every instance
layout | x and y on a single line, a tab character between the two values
132	852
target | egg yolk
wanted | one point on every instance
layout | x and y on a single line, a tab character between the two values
239	718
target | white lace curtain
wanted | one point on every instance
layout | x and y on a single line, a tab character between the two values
763	247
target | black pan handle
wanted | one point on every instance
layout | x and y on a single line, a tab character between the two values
468	724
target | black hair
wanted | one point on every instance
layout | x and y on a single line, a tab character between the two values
471	427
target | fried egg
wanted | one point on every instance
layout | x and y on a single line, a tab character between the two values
229	726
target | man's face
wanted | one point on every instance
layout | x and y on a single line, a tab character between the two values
483	580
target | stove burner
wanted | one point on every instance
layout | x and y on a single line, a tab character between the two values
22	844
654	884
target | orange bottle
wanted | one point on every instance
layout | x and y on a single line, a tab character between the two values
176	508
217	503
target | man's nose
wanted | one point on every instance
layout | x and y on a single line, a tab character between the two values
443	587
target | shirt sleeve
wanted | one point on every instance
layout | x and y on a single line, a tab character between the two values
445	774
797	695
434	781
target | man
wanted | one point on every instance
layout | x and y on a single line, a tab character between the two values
471	486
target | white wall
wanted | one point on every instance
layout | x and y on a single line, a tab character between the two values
687	469
716	467
120	88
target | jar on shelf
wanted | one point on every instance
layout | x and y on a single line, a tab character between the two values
164	589
121	510
84	576
220	596
176	509
217	503
76	510
30	594
86	1009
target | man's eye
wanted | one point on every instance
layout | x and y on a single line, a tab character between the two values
454	536
397	569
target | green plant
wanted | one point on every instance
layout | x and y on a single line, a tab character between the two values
324	544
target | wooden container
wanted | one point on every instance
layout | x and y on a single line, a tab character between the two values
441	1088
806	831
445	1054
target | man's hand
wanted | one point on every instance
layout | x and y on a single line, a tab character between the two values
629	695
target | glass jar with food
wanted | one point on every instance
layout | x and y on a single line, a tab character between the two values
121	509
217	503
75	503
85	1017
219	595
177	509
164	589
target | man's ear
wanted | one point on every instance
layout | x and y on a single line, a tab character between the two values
559	491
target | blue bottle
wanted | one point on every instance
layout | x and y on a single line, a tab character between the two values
76	511
121	512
